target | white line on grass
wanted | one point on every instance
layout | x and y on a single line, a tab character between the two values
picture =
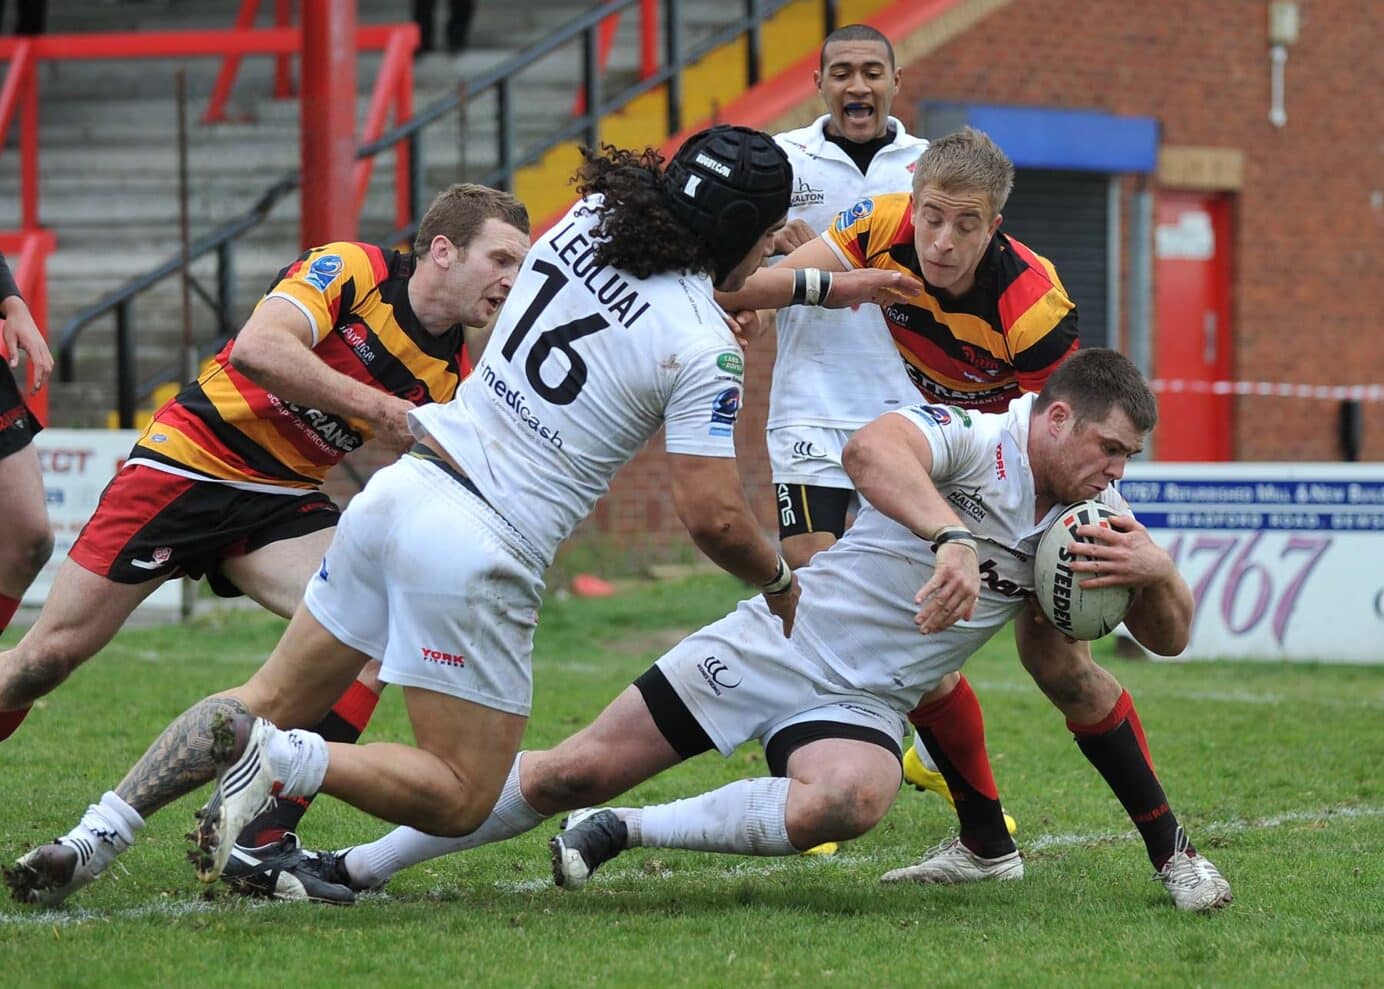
1038	843
175	909
168	907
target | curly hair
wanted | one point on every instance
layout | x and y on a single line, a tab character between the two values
636	231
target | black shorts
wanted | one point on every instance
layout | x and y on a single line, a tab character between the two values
18	426
804	508
150	523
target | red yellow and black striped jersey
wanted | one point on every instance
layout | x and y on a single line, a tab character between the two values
226	427
979	350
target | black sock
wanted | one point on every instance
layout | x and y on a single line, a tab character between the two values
1117	748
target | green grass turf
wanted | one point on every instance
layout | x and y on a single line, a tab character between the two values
1275	770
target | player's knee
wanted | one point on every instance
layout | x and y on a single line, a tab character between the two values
38	552
1063	681
455	807
26	553
34	668
839	810
567	783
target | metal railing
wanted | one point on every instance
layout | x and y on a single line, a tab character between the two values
500	81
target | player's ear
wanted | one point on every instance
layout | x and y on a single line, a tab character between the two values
443	251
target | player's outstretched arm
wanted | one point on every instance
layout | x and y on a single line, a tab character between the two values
274	350
710	501
1125	554
772	288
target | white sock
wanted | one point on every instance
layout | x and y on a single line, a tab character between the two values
746	817
371	865
924	755
105	830
298	758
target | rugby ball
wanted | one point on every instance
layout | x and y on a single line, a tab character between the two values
1081	614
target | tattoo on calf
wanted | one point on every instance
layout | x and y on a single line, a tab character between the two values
184	757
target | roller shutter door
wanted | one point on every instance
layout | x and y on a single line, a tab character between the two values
1063	216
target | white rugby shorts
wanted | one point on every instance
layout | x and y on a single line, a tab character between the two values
425	576
741	679
808	455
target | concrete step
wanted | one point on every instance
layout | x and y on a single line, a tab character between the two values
109	163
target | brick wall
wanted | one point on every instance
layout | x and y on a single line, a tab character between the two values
1309	220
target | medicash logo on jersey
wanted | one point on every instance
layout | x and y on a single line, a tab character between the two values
517	402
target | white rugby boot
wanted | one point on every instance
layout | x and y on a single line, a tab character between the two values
951	862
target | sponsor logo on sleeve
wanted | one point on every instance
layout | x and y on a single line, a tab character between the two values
937	413
731	363
859	211
323	271
725	407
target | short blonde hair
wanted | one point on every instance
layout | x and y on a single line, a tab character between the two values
460	210
966	161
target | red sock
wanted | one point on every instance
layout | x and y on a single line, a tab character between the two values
9	720
350	714
343	723
953	729
8	606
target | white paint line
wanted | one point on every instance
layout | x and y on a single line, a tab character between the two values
174	909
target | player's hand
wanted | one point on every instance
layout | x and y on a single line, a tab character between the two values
390	423
793	235
746	325
951	594
875	285
21	333
1123	554
785	605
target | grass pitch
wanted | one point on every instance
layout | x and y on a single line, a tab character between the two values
1274	769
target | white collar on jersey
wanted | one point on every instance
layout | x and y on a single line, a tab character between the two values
813	139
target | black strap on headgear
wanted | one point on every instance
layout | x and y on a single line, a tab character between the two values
729	185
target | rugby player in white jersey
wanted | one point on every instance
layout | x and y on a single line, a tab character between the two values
436	568
837	369
903	599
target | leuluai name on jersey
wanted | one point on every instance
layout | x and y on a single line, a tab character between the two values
838	367
584	365
856	611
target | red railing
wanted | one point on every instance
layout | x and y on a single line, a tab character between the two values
27	252
648	46
230	65
393	86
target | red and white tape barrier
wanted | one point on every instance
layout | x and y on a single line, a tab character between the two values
1359	393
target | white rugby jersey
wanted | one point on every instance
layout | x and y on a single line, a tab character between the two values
838	367
856	611
584	365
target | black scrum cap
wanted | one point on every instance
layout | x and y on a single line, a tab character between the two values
729	185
